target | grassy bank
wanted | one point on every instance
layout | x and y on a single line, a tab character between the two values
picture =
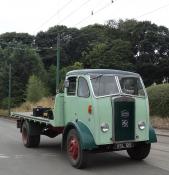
3	112
28	106
160	123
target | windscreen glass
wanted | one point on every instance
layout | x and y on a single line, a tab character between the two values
104	85
132	86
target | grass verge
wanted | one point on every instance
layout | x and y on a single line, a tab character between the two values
28	106
160	123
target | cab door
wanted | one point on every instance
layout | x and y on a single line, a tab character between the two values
84	103
70	100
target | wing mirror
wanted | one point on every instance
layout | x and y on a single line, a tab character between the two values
66	84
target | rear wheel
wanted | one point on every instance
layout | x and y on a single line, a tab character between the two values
28	139
77	156
140	151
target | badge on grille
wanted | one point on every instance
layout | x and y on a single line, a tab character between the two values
125	123
125	114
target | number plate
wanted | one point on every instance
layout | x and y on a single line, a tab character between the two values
123	145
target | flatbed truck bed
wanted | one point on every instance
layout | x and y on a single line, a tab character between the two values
29	116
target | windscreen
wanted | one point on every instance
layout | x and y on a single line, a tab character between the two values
104	85
131	85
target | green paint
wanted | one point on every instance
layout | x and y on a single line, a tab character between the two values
124	119
58	111
85	136
142	114
152	135
103	111
103	114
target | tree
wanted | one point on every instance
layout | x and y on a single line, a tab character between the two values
69	40
35	89
75	66
14	38
25	62
114	55
149	44
52	79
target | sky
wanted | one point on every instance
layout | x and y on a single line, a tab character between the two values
32	16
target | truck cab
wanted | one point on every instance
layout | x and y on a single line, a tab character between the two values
112	105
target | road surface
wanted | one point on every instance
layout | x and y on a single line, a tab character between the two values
48	159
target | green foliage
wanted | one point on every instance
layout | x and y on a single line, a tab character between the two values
52	79
114	55
25	62
131	45
14	38
159	100
35	89
71	45
63	71
4	103
75	66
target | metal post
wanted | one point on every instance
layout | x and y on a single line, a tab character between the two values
9	92
58	64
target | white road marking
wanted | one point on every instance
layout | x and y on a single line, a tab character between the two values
19	156
2	156
49	154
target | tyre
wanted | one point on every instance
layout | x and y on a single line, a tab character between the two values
29	140
140	151
76	156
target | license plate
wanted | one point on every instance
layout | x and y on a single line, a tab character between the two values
123	145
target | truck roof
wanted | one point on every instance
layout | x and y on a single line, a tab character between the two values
100	71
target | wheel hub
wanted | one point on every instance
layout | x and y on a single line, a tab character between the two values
73	148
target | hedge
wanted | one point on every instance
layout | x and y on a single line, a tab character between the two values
159	100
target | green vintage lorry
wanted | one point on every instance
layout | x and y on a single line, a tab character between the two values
100	110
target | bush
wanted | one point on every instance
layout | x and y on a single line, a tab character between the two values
159	100
35	89
4	103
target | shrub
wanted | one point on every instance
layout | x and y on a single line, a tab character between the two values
35	89
4	103
159	100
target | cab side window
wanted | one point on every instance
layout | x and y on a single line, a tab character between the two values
83	88
71	90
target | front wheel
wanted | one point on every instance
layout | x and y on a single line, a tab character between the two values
28	139
140	151
77	156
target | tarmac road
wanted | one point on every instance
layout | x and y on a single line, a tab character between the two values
48	159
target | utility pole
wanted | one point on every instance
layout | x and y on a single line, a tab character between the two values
58	64
9	92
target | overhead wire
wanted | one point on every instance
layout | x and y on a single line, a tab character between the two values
55	14
9	45
94	13
153	11
74	11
